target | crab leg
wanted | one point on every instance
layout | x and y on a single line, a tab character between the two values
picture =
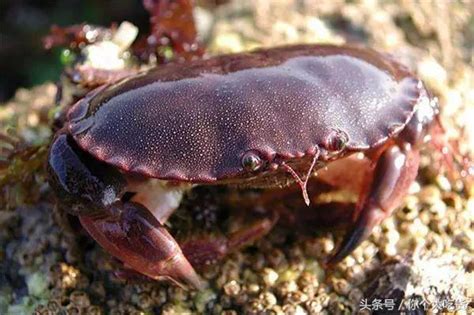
201	252
395	170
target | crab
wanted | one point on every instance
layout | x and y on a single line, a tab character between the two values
129	150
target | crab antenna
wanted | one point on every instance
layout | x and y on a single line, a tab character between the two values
303	183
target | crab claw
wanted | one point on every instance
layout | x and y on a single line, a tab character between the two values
360	231
395	170
135	237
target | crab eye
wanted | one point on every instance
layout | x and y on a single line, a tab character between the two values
336	140
251	161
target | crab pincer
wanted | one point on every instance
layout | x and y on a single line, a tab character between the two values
127	230
137	238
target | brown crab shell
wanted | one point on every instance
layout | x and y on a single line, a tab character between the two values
195	121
